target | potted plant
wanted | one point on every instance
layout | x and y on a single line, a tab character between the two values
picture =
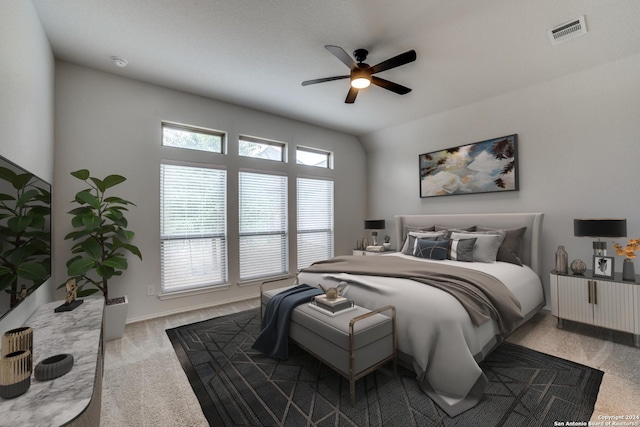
387	242
101	243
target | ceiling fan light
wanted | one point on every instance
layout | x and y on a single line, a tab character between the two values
360	82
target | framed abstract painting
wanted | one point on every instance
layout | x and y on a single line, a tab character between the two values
482	167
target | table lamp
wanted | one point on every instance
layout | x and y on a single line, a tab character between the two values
374	224
600	227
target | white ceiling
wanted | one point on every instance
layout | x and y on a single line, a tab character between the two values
256	53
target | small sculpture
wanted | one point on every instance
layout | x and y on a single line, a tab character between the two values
333	293
72	289
70	301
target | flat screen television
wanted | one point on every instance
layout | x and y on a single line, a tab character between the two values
25	234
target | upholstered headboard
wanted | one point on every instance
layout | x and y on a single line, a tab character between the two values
532	237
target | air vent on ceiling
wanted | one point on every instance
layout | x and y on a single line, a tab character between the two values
567	31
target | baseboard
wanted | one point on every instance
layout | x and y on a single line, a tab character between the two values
192	308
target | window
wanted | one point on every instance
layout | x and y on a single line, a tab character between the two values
315	220
192	138
263	225
312	157
261	149
193	241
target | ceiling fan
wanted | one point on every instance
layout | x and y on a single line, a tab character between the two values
361	75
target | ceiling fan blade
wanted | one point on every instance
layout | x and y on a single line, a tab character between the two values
396	61
393	87
351	96
326	79
343	56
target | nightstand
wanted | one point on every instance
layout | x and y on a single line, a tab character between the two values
612	304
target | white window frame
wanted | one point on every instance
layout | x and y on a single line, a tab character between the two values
320	232
327	154
217	245
247	254
195	129
263	141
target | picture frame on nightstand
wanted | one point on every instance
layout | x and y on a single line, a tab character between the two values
603	266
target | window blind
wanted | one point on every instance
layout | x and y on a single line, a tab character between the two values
315	220
193	242
263	225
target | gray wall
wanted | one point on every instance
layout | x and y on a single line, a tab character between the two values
111	124
579	150
26	112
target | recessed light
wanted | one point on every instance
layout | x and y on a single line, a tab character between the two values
120	62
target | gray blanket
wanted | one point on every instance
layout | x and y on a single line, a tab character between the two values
483	296
274	332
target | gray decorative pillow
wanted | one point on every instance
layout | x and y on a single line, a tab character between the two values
462	250
431	249
406	229
486	246
511	247
451	228
410	241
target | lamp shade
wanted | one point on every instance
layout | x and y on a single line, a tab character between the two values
374	224
600	227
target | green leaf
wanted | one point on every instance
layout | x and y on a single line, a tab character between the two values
104	271
117	200
4	197
82	210
82	174
87	292
19	223
75	235
27	196
116	262
116	212
39	211
119	221
92	248
32	271
20	181
91	222
99	184
72	260
113	180
80	267
7	174
133	249
4	270
85	197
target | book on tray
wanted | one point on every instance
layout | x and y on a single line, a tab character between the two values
333	305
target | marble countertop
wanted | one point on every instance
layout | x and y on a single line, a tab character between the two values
58	401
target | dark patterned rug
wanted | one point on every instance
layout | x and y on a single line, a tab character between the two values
237	386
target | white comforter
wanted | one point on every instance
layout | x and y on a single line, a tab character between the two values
435	330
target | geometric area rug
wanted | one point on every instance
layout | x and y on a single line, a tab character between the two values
238	386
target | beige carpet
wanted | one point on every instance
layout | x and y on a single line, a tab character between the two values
144	385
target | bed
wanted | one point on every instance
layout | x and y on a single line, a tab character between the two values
439	336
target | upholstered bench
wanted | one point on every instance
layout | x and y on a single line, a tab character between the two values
353	343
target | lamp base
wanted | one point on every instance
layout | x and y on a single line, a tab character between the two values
599	248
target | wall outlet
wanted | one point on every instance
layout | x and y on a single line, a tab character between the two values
151	290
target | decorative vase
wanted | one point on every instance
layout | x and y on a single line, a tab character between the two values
15	374
562	261
628	270
17	339
578	266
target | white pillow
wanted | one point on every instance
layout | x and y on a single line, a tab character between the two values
410	241
487	244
